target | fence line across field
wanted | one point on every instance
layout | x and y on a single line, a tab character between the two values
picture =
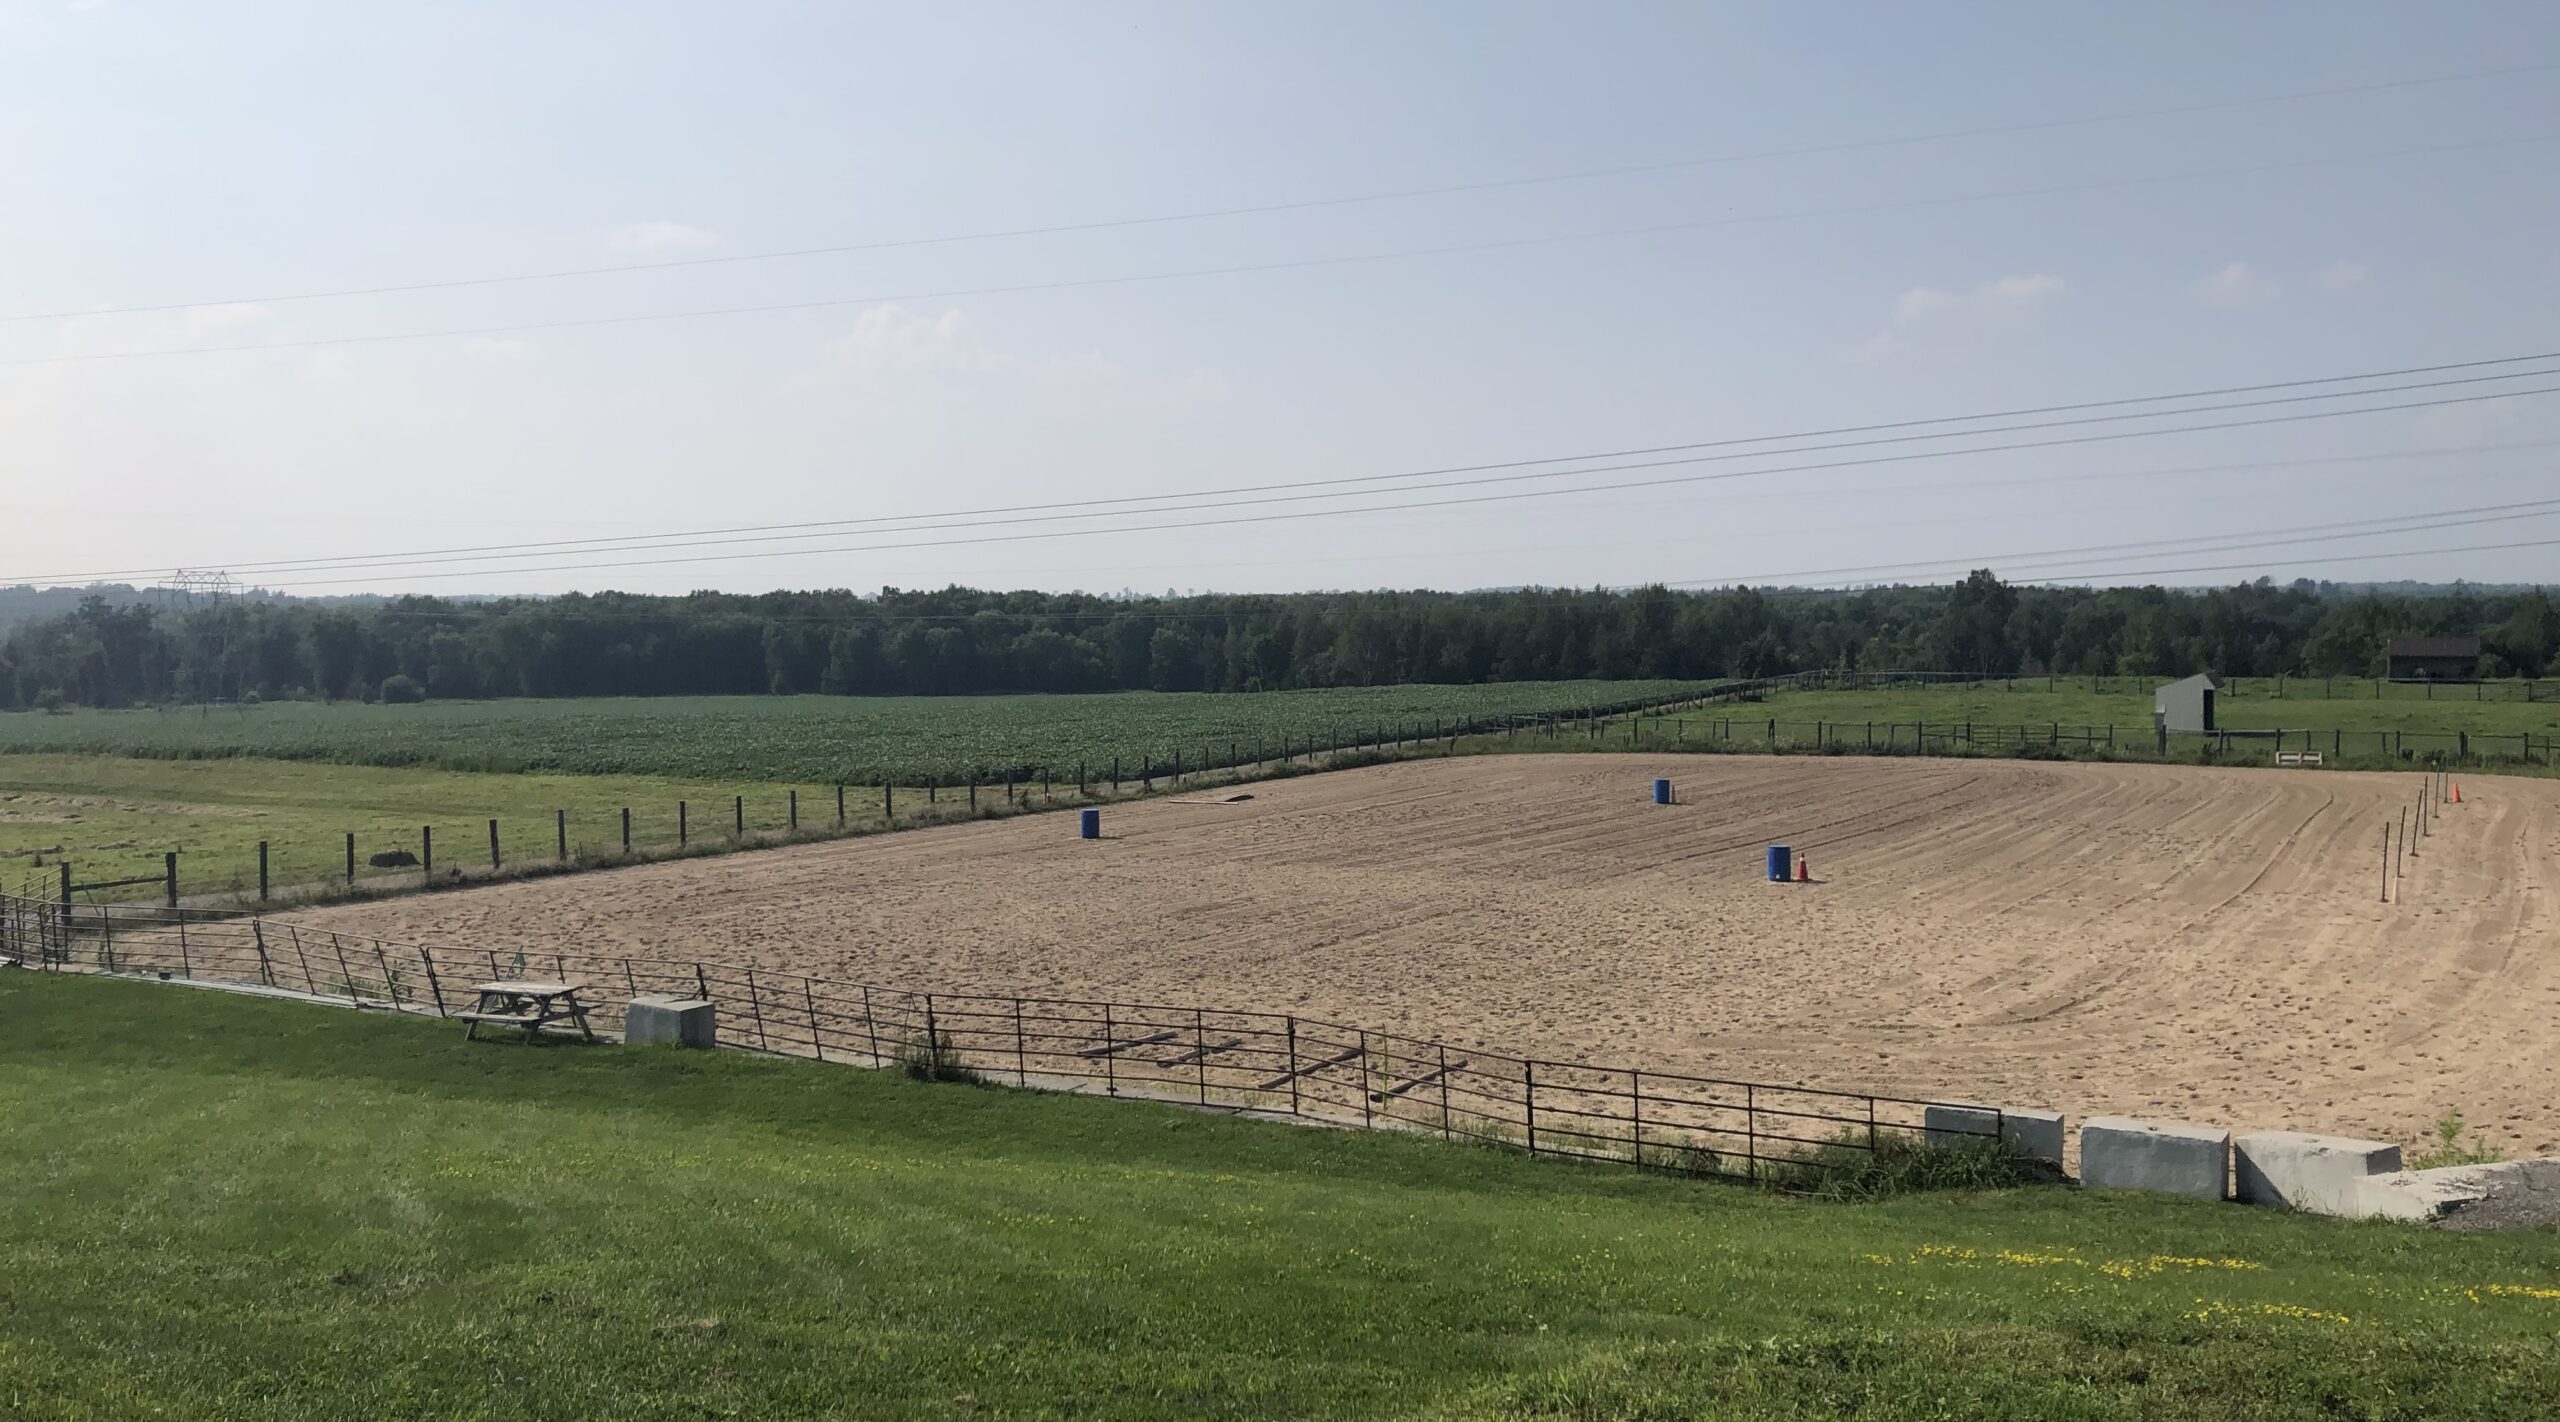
1274	1064
351	863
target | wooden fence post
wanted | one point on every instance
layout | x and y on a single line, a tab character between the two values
427	961
427	851
560	832
262	871
493	844
795	809
351	859
1529	1099
1293	1064
170	867
626	829
684	830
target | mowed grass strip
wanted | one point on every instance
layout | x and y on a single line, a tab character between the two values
221	1206
2126	704
115	817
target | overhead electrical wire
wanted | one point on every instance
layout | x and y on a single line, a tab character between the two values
2156	472
2207	543
2189	546
1299	515
1293	264
910	522
1308	204
1482	480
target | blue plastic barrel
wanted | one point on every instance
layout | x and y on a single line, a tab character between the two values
1662	792
1089	824
1781	864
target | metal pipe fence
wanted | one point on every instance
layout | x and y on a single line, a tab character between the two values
1273	1064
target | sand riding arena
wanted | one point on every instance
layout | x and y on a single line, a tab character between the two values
2203	944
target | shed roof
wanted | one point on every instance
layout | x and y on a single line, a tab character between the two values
2435	646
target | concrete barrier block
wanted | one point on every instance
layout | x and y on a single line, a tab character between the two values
2117	1153
2029	1134
2326	1175
2423	1195
670	1021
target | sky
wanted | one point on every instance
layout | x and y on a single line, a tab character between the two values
1792	219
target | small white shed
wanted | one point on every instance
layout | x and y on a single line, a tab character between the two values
2186	705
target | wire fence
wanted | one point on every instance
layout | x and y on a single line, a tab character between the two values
375	854
2376	748
1300	1068
2285	687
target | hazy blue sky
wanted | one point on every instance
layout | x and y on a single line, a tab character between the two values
225	154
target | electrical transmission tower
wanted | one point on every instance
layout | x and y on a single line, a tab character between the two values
216	588
213	584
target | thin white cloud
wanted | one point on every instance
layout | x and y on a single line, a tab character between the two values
660	237
2238	284
1935	316
892	341
2342	273
2002	300
893	338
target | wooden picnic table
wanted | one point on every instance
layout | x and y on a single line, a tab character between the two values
530	1005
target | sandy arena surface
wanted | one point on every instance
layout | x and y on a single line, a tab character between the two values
2199	944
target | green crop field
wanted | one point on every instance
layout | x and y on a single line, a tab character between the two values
903	740
227	1207
115	791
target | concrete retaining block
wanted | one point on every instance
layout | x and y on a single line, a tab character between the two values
2117	1153
2295	1170
676	1021
2029	1134
2429	1194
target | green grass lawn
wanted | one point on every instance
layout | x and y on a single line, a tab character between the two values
115	817
225	1207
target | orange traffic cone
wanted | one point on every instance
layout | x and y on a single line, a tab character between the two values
2457	792
1804	871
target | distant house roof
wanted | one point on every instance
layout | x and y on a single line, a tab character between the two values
2435	646
2208	678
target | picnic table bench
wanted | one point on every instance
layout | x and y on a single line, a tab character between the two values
529	1005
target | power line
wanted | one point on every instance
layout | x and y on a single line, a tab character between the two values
1294	264
1481	480
2086	575
2046	480
2198	543
2293	535
696	537
1302	205
1446	503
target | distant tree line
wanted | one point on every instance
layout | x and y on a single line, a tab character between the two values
960	641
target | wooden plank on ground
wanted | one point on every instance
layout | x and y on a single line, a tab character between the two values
1425	1079
1108	1048
1284	1078
1205	1049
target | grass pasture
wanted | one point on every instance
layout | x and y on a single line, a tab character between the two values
115	817
248	1209
2126	704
